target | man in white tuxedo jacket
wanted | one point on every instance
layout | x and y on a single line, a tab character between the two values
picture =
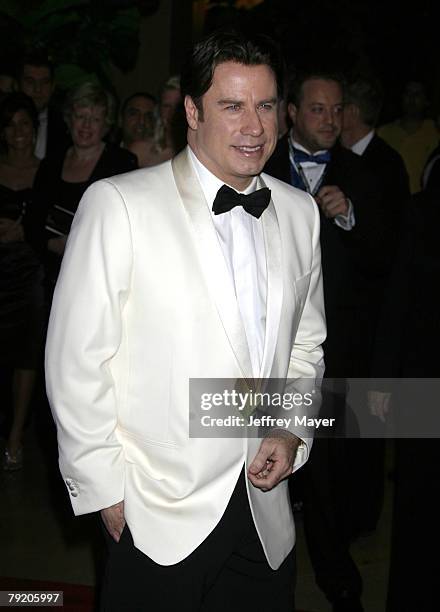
162	282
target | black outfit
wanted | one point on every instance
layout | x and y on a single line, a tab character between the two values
58	200
389	168
21	286
351	263
58	137
407	346
433	183
228	571
368	456
351	260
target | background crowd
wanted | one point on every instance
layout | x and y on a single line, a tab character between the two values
377	186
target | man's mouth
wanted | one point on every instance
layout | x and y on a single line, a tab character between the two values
249	150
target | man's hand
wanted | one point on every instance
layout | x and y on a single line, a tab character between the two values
57	245
274	460
332	201
11	231
114	521
379	404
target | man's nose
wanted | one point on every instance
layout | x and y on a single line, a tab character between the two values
330	116
252	124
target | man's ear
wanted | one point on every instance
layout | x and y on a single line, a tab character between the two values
192	113
291	111
351	109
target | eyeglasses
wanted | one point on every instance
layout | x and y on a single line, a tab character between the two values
88	117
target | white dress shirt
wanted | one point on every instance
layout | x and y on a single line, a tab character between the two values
314	174
360	146
428	169
241	239
41	144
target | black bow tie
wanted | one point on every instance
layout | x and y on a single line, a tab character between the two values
254	203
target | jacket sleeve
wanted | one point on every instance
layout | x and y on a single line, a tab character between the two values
306	367
85	333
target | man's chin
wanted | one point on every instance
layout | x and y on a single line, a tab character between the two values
252	170
327	143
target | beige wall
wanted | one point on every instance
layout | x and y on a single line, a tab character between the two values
152	68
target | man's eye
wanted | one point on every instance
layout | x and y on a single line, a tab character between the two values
317	109
233	107
266	106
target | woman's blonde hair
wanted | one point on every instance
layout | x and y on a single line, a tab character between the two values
90	94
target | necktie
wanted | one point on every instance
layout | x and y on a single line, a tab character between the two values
253	203
301	156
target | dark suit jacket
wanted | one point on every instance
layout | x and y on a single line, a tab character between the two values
352	261
389	168
409	332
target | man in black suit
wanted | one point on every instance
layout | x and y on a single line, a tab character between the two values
363	103
406	364
350	201
36	79
351	204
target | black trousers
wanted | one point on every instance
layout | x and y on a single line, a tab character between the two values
413	580
327	525
228	571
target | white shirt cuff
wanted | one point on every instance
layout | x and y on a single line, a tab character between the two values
346	222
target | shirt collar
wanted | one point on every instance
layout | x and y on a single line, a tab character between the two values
296	144
360	146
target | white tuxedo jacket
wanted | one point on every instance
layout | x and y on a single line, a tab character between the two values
144	302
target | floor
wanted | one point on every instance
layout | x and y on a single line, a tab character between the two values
40	539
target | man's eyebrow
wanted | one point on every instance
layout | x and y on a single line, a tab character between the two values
231	101
270	101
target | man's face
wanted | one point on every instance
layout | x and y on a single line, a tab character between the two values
414	101
137	120
36	82
317	122
237	131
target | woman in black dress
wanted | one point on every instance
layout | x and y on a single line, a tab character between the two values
60	183
21	272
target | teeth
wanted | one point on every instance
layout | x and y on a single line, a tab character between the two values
250	149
